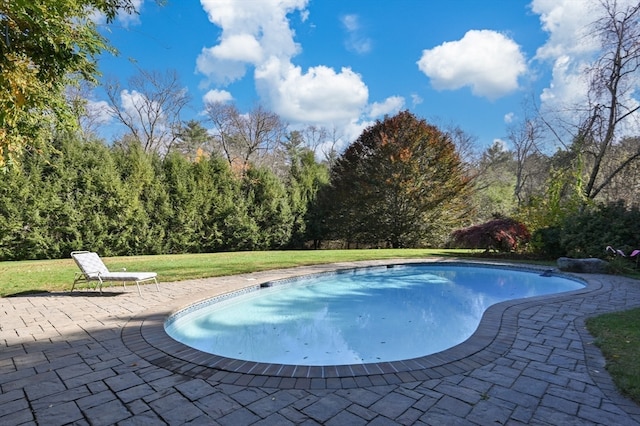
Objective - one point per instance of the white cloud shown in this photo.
(321, 95)
(416, 99)
(99, 111)
(238, 47)
(139, 108)
(501, 144)
(213, 96)
(568, 83)
(389, 106)
(569, 48)
(350, 22)
(488, 62)
(227, 61)
(509, 117)
(356, 41)
(567, 22)
(249, 36)
(260, 36)
(131, 19)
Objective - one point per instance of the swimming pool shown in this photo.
(358, 316)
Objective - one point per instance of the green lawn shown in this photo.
(57, 275)
(618, 336)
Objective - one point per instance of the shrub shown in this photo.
(587, 233)
(548, 242)
(500, 234)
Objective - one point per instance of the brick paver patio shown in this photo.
(81, 358)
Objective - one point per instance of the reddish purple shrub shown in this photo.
(501, 234)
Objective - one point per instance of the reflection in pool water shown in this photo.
(360, 316)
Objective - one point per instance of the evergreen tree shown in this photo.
(268, 208)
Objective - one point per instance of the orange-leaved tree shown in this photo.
(401, 183)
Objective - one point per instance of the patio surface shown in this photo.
(81, 358)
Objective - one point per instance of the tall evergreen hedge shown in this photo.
(121, 201)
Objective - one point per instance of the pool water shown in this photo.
(360, 316)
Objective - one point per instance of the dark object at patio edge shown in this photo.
(588, 265)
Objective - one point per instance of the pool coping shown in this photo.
(146, 336)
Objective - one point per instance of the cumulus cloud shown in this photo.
(260, 37)
(99, 111)
(319, 95)
(389, 106)
(249, 36)
(137, 106)
(567, 23)
(227, 61)
(356, 41)
(215, 95)
(488, 62)
(569, 48)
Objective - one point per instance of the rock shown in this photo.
(588, 266)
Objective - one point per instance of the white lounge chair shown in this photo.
(93, 269)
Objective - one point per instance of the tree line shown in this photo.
(249, 182)
(397, 185)
(120, 200)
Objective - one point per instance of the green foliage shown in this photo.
(563, 196)
(185, 224)
(192, 140)
(495, 183)
(268, 208)
(46, 45)
(548, 242)
(306, 178)
(122, 201)
(400, 183)
(148, 207)
(588, 231)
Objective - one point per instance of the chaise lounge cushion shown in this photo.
(93, 269)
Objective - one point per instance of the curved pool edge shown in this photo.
(494, 336)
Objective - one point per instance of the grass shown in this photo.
(618, 336)
(33, 276)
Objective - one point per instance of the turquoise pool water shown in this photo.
(358, 316)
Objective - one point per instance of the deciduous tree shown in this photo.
(150, 108)
(500, 234)
(610, 109)
(400, 183)
(245, 138)
(45, 46)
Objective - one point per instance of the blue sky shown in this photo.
(344, 64)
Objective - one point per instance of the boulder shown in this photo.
(587, 266)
